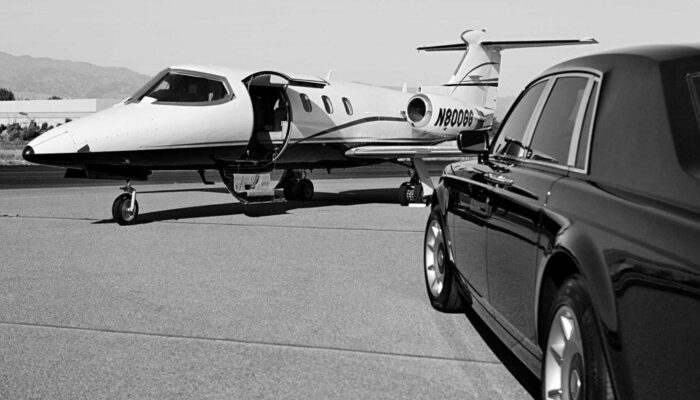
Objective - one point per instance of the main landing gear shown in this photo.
(125, 208)
(419, 188)
(296, 186)
(411, 192)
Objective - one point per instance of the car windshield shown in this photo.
(176, 87)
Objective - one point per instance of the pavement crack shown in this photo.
(251, 342)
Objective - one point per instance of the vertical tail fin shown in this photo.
(475, 81)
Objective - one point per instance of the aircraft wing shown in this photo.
(394, 152)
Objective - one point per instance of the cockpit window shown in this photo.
(177, 87)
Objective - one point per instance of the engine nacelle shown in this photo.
(446, 115)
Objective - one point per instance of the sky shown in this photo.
(363, 41)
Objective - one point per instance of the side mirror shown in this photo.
(473, 142)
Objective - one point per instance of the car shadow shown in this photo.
(321, 199)
(521, 373)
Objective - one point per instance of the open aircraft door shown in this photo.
(272, 115)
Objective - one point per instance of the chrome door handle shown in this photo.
(499, 179)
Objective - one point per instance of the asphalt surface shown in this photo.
(207, 298)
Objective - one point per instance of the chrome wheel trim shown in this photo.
(435, 258)
(127, 215)
(564, 364)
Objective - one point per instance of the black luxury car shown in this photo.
(574, 234)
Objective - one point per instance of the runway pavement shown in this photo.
(207, 298)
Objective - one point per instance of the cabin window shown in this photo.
(178, 87)
(327, 104)
(348, 106)
(306, 102)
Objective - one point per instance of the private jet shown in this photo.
(244, 124)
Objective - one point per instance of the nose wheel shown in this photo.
(125, 208)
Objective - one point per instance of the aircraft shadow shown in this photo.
(204, 189)
(321, 199)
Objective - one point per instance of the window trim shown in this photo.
(592, 76)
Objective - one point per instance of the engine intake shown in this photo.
(445, 115)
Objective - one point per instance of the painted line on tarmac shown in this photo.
(329, 228)
(251, 343)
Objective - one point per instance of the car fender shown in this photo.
(590, 262)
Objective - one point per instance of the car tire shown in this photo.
(439, 271)
(574, 365)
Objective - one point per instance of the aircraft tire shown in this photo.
(305, 190)
(120, 211)
(418, 193)
(403, 193)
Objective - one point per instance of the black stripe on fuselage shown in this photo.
(349, 124)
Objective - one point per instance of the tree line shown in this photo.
(14, 131)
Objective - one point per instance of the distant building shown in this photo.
(50, 111)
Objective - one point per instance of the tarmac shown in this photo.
(206, 298)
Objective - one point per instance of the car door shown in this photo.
(529, 158)
(469, 202)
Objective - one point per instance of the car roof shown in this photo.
(634, 59)
(646, 134)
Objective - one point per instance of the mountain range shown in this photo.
(40, 78)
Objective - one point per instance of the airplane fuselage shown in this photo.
(304, 124)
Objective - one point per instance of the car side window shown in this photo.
(584, 139)
(510, 138)
(551, 139)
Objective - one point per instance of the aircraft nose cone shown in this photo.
(28, 153)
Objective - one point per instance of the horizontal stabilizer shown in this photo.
(394, 152)
(521, 44)
(444, 47)
(511, 44)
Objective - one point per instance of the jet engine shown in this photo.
(445, 115)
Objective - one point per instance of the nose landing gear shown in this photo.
(125, 208)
